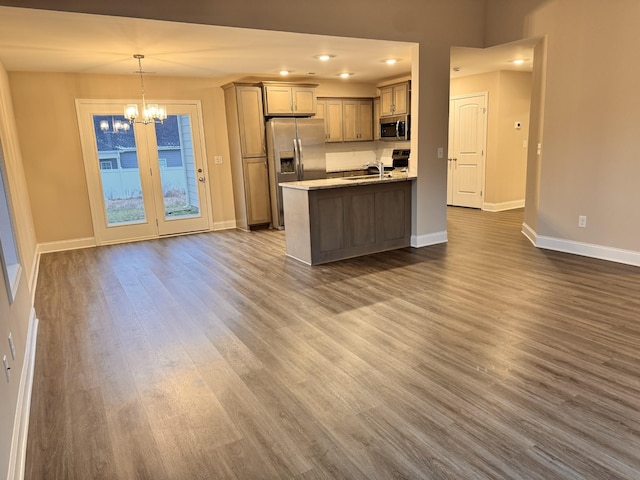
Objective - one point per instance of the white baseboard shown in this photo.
(63, 245)
(418, 241)
(229, 225)
(33, 275)
(503, 206)
(21, 420)
(530, 233)
(611, 254)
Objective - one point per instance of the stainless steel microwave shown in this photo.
(396, 128)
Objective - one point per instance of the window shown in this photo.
(8, 250)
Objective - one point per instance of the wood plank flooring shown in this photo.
(213, 356)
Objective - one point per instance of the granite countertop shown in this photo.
(342, 182)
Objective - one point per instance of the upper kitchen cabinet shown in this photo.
(346, 119)
(330, 110)
(289, 100)
(394, 99)
(357, 119)
(245, 115)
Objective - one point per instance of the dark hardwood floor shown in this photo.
(214, 356)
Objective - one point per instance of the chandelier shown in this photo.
(151, 113)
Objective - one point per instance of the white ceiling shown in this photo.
(41, 40)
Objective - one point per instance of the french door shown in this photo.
(144, 181)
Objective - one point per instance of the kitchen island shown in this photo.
(337, 218)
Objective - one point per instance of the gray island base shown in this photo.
(334, 219)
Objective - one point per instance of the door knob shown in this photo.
(201, 179)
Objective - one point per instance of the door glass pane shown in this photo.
(177, 167)
(119, 172)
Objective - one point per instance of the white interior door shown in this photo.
(144, 181)
(467, 149)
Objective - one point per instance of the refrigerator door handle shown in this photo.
(300, 159)
(296, 159)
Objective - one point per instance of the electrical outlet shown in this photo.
(12, 347)
(217, 159)
(7, 368)
(582, 221)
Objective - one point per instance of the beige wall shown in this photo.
(52, 154)
(14, 318)
(509, 96)
(507, 20)
(589, 162)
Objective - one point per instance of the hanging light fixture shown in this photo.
(151, 113)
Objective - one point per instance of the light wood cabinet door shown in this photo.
(386, 101)
(394, 99)
(350, 120)
(400, 99)
(256, 188)
(278, 100)
(357, 117)
(365, 120)
(333, 121)
(304, 100)
(251, 121)
(321, 108)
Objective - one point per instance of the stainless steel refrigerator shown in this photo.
(296, 152)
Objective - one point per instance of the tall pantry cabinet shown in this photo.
(247, 147)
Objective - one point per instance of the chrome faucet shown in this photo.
(379, 165)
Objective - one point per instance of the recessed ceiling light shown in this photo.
(391, 61)
(324, 57)
(345, 75)
(456, 69)
(284, 72)
(518, 61)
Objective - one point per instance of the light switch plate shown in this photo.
(440, 152)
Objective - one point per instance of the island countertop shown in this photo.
(337, 218)
(342, 182)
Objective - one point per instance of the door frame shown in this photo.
(106, 235)
(485, 95)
